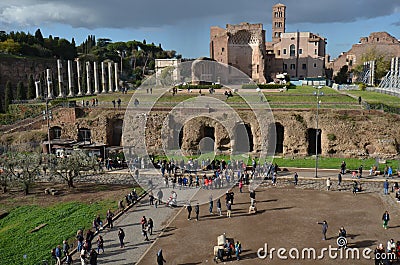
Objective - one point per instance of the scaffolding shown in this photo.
(391, 82)
(368, 74)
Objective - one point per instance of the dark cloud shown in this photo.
(139, 14)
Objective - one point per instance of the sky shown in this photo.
(184, 25)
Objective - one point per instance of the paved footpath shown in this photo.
(135, 245)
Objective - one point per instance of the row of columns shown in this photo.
(106, 87)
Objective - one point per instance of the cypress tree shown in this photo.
(21, 91)
(31, 88)
(8, 96)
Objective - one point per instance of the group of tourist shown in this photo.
(94, 102)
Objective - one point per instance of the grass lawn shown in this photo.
(376, 98)
(306, 162)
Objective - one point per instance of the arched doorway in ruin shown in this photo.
(314, 141)
(207, 140)
(116, 132)
(280, 135)
(243, 137)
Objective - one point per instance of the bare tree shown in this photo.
(23, 167)
(74, 166)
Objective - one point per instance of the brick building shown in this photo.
(381, 42)
(300, 54)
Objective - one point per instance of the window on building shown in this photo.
(315, 51)
(223, 49)
(258, 68)
(292, 50)
(55, 132)
(300, 51)
(284, 51)
(284, 66)
(377, 39)
(315, 65)
(84, 135)
(279, 52)
(292, 66)
(304, 66)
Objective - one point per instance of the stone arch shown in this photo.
(314, 141)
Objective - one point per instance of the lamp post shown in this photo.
(47, 116)
(318, 94)
(121, 54)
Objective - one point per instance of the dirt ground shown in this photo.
(287, 218)
(83, 192)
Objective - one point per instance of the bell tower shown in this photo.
(278, 21)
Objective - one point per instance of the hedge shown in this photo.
(267, 86)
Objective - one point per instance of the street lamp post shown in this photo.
(121, 54)
(318, 94)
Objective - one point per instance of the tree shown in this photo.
(23, 168)
(10, 46)
(8, 96)
(21, 91)
(382, 62)
(31, 88)
(343, 76)
(39, 36)
(71, 167)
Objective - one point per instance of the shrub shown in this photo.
(331, 137)
(267, 86)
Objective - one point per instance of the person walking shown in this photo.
(252, 197)
(296, 178)
(58, 254)
(238, 250)
(82, 256)
(343, 168)
(386, 187)
(240, 186)
(197, 211)
(144, 232)
(219, 207)
(189, 210)
(328, 184)
(160, 258)
(324, 228)
(228, 209)
(211, 204)
(150, 225)
(121, 236)
(385, 219)
(93, 257)
(160, 195)
(339, 177)
(109, 217)
(100, 244)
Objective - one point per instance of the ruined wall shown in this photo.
(16, 70)
(344, 133)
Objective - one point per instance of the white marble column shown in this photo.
(70, 80)
(110, 75)
(96, 78)
(78, 71)
(116, 77)
(88, 80)
(37, 87)
(103, 78)
(61, 93)
(49, 84)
